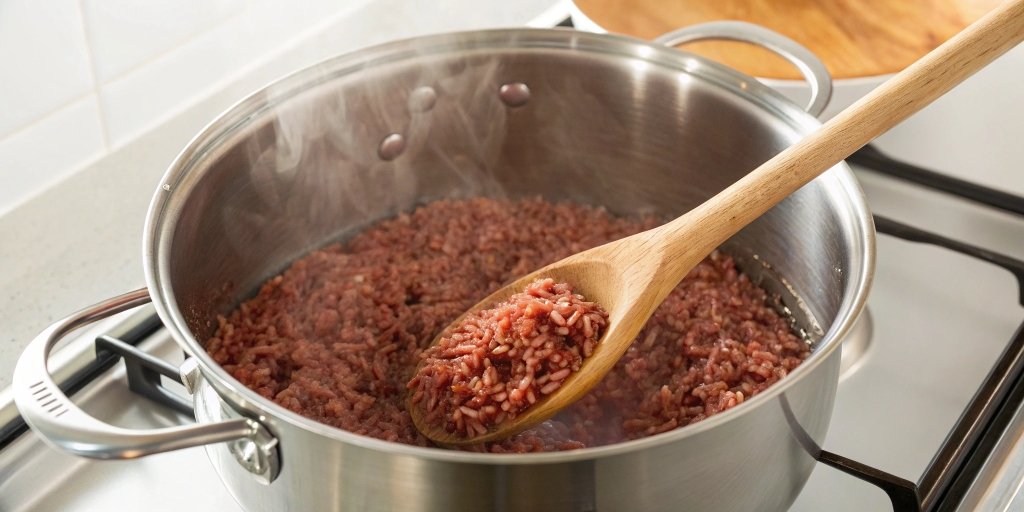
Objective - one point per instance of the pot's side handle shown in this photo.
(62, 424)
(810, 66)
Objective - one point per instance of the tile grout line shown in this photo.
(219, 85)
(108, 144)
(175, 47)
(94, 74)
(107, 141)
(45, 117)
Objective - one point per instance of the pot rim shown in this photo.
(180, 177)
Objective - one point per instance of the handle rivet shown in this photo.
(514, 94)
(392, 146)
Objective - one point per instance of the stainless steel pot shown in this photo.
(592, 118)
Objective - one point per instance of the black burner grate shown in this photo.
(104, 361)
(971, 440)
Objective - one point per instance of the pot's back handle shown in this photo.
(62, 424)
(810, 66)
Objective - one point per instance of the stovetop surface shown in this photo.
(939, 321)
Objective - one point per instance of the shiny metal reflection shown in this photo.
(514, 94)
(391, 147)
(856, 344)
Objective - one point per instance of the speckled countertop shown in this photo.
(80, 241)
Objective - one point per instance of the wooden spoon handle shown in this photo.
(895, 100)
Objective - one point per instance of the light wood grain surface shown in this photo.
(855, 38)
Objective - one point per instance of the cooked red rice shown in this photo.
(499, 361)
(338, 334)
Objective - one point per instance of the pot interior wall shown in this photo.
(632, 135)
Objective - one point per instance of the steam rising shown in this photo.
(315, 169)
(308, 171)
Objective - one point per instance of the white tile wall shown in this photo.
(32, 159)
(44, 63)
(126, 33)
(145, 97)
(81, 77)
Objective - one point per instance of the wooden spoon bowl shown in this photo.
(630, 277)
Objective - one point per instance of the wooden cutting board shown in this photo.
(855, 38)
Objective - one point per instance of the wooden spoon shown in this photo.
(630, 277)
